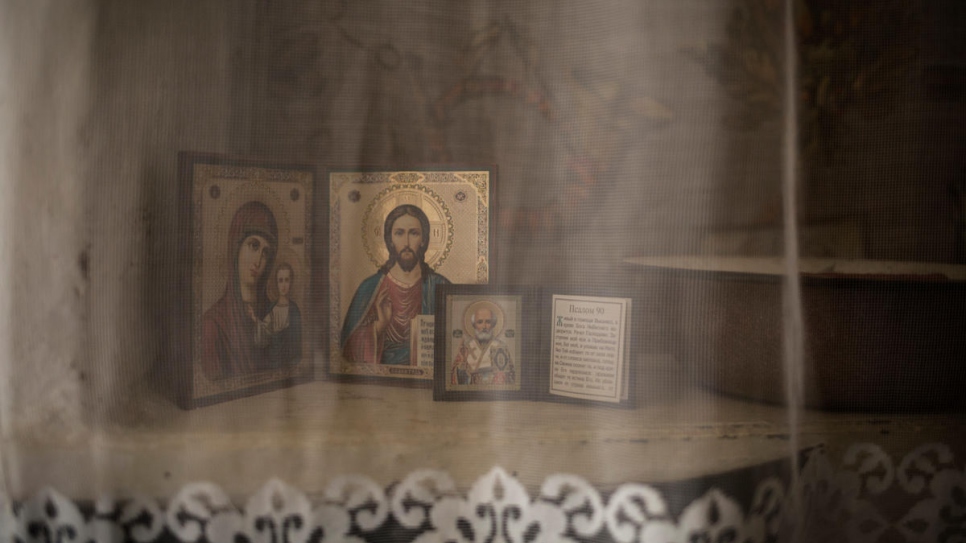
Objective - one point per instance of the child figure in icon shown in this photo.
(280, 332)
(482, 358)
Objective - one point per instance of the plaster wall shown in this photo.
(96, 100)
(44, 109)
(164, 81)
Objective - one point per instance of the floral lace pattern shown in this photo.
(838, 502)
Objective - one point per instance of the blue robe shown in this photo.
(286, 349)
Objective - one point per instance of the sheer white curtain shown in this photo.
(691, 155)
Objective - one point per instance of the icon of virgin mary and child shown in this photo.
(245, 331)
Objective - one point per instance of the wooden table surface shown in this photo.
(308, 434)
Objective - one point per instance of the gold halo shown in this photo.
(483, 304)
(440, 222)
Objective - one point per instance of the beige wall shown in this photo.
(101, 96)
(44, 133)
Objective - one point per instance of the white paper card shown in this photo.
(589, 348)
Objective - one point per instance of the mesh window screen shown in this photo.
(314, 270)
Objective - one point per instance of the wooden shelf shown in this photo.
(308, 434)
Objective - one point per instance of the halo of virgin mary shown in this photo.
(228, 327)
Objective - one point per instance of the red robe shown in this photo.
(363, 345)
(228, 339)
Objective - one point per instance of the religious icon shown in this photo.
(377, 327)
(483, 358)
(394, 237)
(250, 225)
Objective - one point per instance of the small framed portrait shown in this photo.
(394, 236)
(485, 350)
(248, 229)
(483, 343)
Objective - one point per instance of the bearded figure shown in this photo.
(482, 359)
(377, 326)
